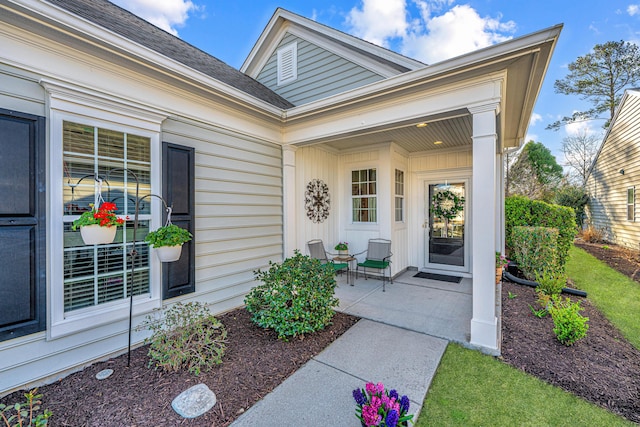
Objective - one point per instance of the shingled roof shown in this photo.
(124, 23)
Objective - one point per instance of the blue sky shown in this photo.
(428, 30)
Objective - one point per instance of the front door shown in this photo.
(445, 237)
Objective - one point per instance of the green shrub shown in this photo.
(535, 250)
(187, 336)
(27, 414)
(521, 211)
(296, 297)
(570, 325)
(550, 284)
(575, 197)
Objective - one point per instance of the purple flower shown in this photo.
(357, 395)
(404, 405)
(394, 394)
(392, 418)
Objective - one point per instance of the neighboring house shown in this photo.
(86, 87)
(613, 178)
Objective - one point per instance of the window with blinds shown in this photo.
(287, 63)
(100, 274)
(363, 195)
(399, 198)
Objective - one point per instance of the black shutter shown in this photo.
(178, 189)
(22, 224)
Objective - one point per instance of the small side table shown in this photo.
(348, 259)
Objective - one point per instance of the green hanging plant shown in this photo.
(169, 235)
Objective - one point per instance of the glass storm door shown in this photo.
(445, 208)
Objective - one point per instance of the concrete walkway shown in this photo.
(399, 342)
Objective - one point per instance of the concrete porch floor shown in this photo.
(432, 307)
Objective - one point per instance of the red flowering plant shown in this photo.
(379, 408)
(104, 216)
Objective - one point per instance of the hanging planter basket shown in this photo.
(169, 253)
(168, 240)
(95, 234)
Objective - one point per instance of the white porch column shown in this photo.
(484, 325)
(289, 195)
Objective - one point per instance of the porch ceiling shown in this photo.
(452, 132)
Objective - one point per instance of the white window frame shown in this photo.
(287, 63)
(371, 196)
(631, 205)
(103, 112)
(399, 196)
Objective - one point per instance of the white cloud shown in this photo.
(458, 31)
(431, 37)
(582, 127)
(633, 9)
(379, 20)
(531, 137)
(535, 118)
(165, 14)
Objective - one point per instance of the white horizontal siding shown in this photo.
(320, 73)
(607, 187)
(238, 203)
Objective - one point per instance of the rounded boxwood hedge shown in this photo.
(296, 297)
(521, 211)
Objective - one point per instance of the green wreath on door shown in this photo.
(447, 205)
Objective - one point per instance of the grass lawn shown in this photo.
(473, 389)
(615, 295)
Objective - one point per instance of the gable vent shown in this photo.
(288, 63)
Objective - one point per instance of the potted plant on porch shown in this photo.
(501, 262)
(167, 241)
(98, 226)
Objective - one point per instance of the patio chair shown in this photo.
(316, 250)
(378, 257)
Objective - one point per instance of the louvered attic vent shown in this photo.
(287, 63)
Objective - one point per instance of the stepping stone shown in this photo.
(104, 374)
(194, 401)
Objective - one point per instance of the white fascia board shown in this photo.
(39, 9)
(281, 16)
(481, 58)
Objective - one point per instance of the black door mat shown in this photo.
(441, 277)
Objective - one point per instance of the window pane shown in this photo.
(77, 138)
(372, 175)
(111, 143)
(630, 195)
(78, 294)
(138, 148)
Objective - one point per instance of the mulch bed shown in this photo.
(255, 362)
(617, 257)
(602, 368)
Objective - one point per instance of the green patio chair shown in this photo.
(378, 257)
(316, 250)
